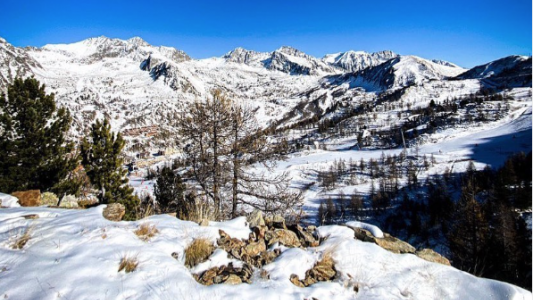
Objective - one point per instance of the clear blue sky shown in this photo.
(465, 32)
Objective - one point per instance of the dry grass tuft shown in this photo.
(128, 263)
(146, 231)
(198, 251)
(22, 238)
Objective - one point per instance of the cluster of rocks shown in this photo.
(36, 198)
(267, 231)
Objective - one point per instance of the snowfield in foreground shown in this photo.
(75, 254)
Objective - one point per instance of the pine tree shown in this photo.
(321, 213)
(34, 151)
(168, 192)
(101, 157)
(469, 233)
(331, 211)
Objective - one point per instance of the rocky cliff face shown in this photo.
(14, 62)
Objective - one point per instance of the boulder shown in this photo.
(114, 212)
(278, 222)
(364, 235)
(233, 280)
(306, 238)
(255, 219)
(49, 199)
(69, 201)
(388, 242)
(283, 236)
(28, 198)
(432, 256)
(259, 231)
(394, 245)
(323, 270)
(255, 248)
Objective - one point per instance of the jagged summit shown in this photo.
(353, 61)
(244, 56)
(291, 51)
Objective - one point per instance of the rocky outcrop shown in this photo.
(253, 252)
(395, 245)
(114, 212)
(28, 198)
(388, 242)
(432, 256)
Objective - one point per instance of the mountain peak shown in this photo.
(354, 61)
(290, 51)
(137, 41)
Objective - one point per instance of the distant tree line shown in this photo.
(478, 215)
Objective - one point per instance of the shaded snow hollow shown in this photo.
(75, 254)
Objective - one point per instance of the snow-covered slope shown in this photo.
(75, 254)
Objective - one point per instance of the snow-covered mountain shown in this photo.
(285, 59)
(398, 72)
(511, 71)
(136, 84)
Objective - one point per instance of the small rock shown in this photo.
(255, 248)
(285, 237)
(49, 199)
(114, 212)
(363, 235)
(259, 232)
(432, 256)
(278, 222)
(175, 255)
(31, 217)
(233, 280)
(68, 201)
(296, 281)
(28, 198)
(255, 219)
(204, 223)
(306, 238)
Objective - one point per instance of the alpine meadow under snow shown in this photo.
(360, 142)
